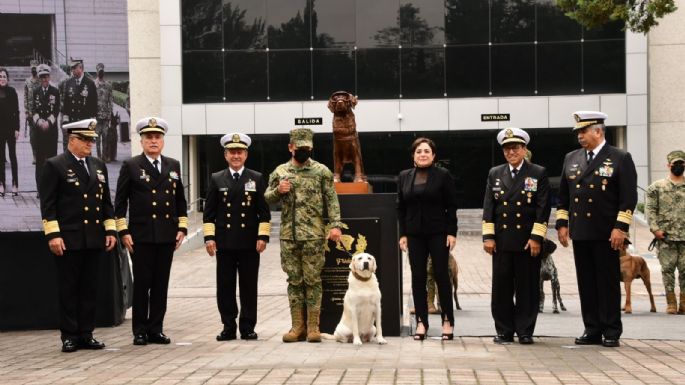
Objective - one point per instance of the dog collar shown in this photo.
(359, 277)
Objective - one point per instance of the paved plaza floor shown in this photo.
(652, 351)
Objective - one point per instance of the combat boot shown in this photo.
(313, 333)
(681, 308)
(298, 332)
(670, 303)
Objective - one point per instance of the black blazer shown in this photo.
(596, 198)
(236, 214)
(74, 205)
(9, 113)
(79, 101)
(46, 106)
(434, 211)
(516, 210)
(158, 208)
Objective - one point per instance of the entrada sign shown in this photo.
(494, 117)
(308, 121)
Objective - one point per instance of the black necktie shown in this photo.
(236, 176)
(590, 156)
(78, 82)
(83, 164)
(513, 173)
(155, 163)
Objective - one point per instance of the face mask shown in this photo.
(678, 168)
(301, 155)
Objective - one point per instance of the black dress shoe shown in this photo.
(611, 343)
(248, 336)
(92, 343)
(589, 340)
(158, 338)
(69, 346)
(502, 339)
(526, 340)
(140, 339)
(226, 336)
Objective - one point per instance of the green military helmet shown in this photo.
(302, 137)
(675, 156)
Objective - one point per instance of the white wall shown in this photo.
(666, 90)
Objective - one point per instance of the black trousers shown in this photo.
(151, 269)
(77, 276)
(229, 265)
(420, 247)
(598, 269)
(11, 143)
(515, 275)
(44, 147)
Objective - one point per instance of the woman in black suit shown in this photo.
(427, 214)
(9, 129)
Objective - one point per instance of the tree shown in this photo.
(638, 15)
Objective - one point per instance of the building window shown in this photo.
(298, 50)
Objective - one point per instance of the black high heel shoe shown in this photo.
(447, 336)
(420, 336)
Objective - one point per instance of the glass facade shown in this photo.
(296, 50)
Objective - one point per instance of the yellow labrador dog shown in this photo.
(361, 305)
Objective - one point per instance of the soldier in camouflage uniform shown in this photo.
(305, 189)
(665, 211)
(31, 82)
(104, 90)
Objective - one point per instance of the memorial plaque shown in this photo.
(361, 235)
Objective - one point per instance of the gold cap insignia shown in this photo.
(92, 125)
(152, 122)
(236, 138)
(509, 133)
(576, 117)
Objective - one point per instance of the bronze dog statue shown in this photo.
(346, 147)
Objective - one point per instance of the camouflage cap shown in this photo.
(302, 137)
(34, 63)
(99, 67)
(674, 156)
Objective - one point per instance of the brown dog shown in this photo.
(346, 147)
(633, 267)
(453, 269)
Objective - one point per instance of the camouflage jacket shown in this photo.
(311, 198)
(104, 99)
(665, 208)
(29, 85)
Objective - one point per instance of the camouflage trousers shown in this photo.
(102, 129)
(302, 261)
(672, 257)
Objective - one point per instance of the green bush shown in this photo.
(641, 207)
(119, 98)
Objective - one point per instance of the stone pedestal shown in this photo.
(353, 188)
